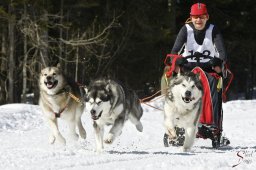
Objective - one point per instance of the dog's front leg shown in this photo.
(170, 127)
(72, 128)
(115, 130)
(99, 132)
(55, 132)
(190, 135)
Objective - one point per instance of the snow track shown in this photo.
(24, 143)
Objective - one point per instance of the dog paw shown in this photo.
(185, 149)
(61, 140)
(171, 133)
(109, 139)
(51, 139)
(139, 127)
(83, 134)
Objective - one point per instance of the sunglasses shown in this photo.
(199, 16)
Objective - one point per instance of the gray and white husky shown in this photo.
(183, 104)
(59, 98)
(109, 103)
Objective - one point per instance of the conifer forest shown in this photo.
(125, 39)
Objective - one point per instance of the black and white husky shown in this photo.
(109, 103)
(182, 107)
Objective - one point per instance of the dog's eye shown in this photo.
(183, 85)
(45, 74)
(193, 86)
(54, 74)
(99, 102)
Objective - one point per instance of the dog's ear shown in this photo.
(198, 76)
(85, 95)
(86, 89)
(58, 66)
(108, 88)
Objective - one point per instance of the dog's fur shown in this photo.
(109, 103)
(55, 101)
(183, 105)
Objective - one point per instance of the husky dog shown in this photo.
(109, 103)
(182, 107)
(60, 99)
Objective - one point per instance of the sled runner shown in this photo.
(215, 89)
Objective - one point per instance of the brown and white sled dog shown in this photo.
(59, 98)
(109, 103)
(182, 107)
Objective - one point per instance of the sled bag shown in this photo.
(210, 112)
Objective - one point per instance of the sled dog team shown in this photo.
(110, 103)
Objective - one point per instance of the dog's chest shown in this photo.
(185, 118)
(109, 120)
(57, 103)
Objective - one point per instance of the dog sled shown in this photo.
(211, 119)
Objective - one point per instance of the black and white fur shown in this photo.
(109, 103)
(183, 106)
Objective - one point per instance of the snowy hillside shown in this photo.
(24, 143)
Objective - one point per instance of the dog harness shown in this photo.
(57, 114)
(70, 95)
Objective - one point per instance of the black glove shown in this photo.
(215, 62)
(181, 61)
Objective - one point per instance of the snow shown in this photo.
(24, 143)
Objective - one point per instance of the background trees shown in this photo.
(127, 39)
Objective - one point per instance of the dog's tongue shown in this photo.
(94, 117)
(49, 85)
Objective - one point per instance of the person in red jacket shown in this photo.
(200, 44)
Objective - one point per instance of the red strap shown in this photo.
(215, 75)
(173, 64)
(224, 93)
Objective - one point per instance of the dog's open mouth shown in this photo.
(94, 117)
(50, 84)
(187, 99)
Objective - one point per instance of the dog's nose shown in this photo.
(48, 77)
(93, 112)
(188, 93)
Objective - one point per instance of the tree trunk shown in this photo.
(61, 35)
(24, 68)
(3, 67)
(44, 38)
(11, 60)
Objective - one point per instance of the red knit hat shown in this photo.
(198, 9)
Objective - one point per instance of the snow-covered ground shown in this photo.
(24, 143)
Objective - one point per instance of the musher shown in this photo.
(200, 44)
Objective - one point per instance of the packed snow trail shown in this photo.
(24, 143)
